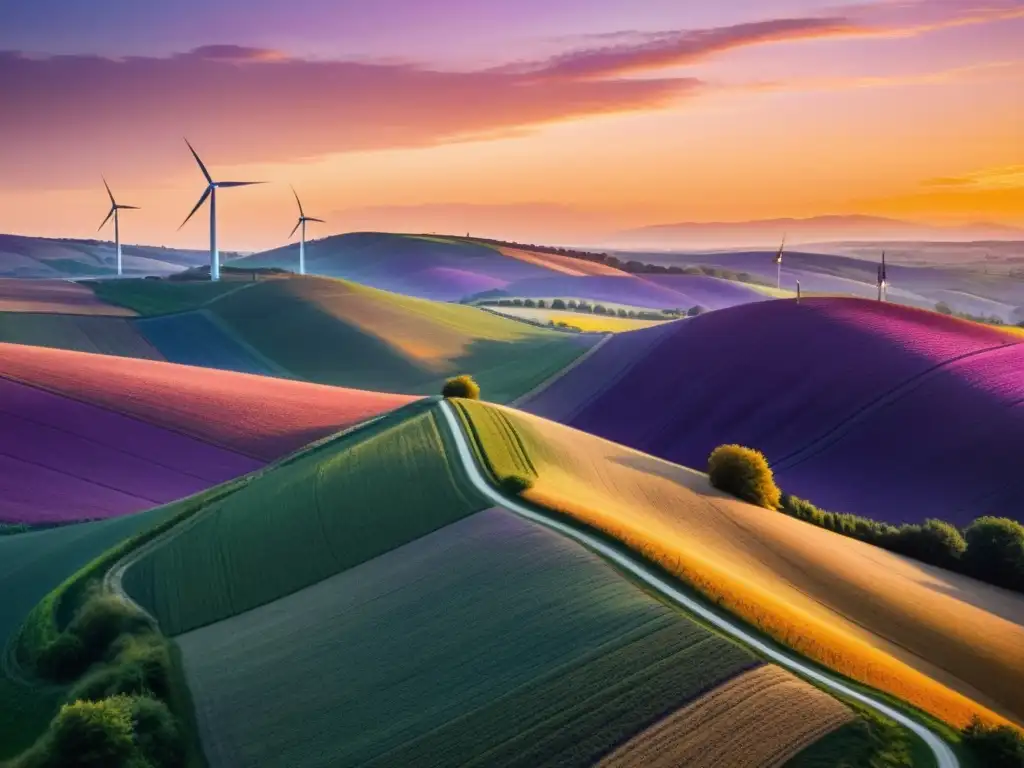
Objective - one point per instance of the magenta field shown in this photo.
(797, 381)
(63, 460)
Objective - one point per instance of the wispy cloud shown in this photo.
(1005, 177)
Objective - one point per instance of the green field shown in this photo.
(332, 508)
(489, 642)
(31, 565)
(81, 333)
(161, 297)
(334, 332)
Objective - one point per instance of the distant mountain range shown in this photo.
(766, 232)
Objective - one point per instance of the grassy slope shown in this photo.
(801, 585)
(195, 338)
(335, 332)
(489, 642)
(161, 297)
(31, 565)
(82, 333)
(304, 522)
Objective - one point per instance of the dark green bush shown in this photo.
(136, 665)
(517, 302)
(529, 303)
(63, 659)
(1000, 747)
(695, 310)
(622, 313)
(157, 735)
(744, 473)
(558, 304)
(935, 542)
(995, 551)
(514, 485)
(461, 386)
(92, 734)
(600, 309)
(541, 304)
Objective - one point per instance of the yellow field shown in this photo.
(582, 320)
(943, 642)
(777, 714)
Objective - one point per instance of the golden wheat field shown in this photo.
(942, 642)
(776, 713)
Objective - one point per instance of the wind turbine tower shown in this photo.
(211, 192)
(303, 218)
(778, 262)
(114, 208)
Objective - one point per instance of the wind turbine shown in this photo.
(114, 208)
(778, 261)
(211, 192)
(303, 218)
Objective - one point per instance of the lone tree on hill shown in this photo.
(744, 473)
(461, 386)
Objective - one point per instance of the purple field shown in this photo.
(708, 292)
(780, 376)
(63, 460)
(441, 283)
(629, 290)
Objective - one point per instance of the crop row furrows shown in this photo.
(583, 710)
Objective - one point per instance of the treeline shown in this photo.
(632, 266)
(944, 309)
(990, 549)
(573, 305)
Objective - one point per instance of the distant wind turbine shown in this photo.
(882, 282)
(211, 192)
(778, 261)
(114, 208)
(303, 218)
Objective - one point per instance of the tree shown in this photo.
(558, 304)
(529, 303)
(995, 551)
(744, 473)
(935, 542)
(461, 386)
(695, 310)
(943, 308)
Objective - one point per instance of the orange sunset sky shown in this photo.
(561, 120)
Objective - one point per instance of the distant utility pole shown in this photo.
(797, 291)
(778, 263)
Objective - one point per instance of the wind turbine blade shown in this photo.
(128, 207)
(238, 183)
(310, 218)
(106, 219)
(199, 205)
(111, 194)
(301, 214)
(206, 173)
(296, 227)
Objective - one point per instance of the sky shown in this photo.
(558, 120)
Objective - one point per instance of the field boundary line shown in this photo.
(557, 376)
(836, 432)
(944, 755)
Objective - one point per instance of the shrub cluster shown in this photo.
(116, 713)
(461, 386)
(744, 473)
(994, 747)
(514, 485)
(990, 549)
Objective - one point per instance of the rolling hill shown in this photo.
(303, 640)
(89, 436)
(936, 639)
(842, 395)
(40, 257)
